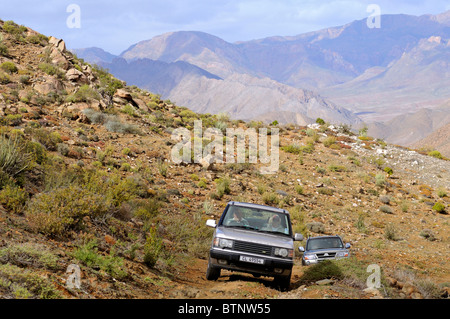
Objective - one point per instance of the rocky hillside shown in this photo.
(370, 74)
(88, 191)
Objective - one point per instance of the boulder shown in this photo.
(49, 84)
(57, 43)
(140, 104)
(76, 76)
(123, 94)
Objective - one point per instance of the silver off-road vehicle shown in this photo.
(255, 239)
(322, 248)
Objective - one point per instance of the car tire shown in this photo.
(283, 282)
(212, 273)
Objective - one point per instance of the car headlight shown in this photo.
(341, 254)
(283, 252)
(223, 243)
(310, 257)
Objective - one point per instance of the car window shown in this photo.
(324, 243)
(257, 219)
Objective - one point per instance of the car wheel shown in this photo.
(212, 273)
(283, 282)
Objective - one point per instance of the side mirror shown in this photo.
(298, 237)
(301, 249)
(347, 245)
(211, 223)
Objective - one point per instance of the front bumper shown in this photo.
(230, 260)
(307, 262)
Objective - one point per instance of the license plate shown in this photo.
(251, 260)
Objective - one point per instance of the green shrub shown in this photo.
(108, 83)
(330, 140)
(146, 209)
(17, 282)
(49, 140)
(62, 209)
(326, 191)
(13, 28)
(95, 116)
(294, 149)
(84, 94)
(428, 234)
(380, 180)
(62, 149)
(26, 255)
(320, 121)
(390, 233)
(388, 170)
(202, 183)
(9, 67)
(36, 151)
(308, 148)
(337, 168)
(299, 189)
(441, 192)
(324, 270)
(13, 198)
(3, 50)
(162, 167)
(114, 125)
(223, 185)
(14, 158)
(270, 198)
(125, 167)
(37, 39)
(111, 264)
(13, 119)
(4, 78)
(152, 248)
(439, 207)
(435, 154)
(190, 234)
(386, 209)
(51, 69)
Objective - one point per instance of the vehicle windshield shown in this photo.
(324, 243)
(256, 219)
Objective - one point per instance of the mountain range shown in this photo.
(394, 79)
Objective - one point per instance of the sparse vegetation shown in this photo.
(439, 207)
(63, 209)
(88, 254)
(84, 94)
(435, 154)
(77, 186)
(9, 67)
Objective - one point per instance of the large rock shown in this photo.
(123, 94)
(48, 85)
(57, 43)
(58, 53)
(76, 76)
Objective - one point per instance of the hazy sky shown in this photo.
(115, 25)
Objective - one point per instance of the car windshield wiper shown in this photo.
(272, 232)
(242, 226)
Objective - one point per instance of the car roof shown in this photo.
(328, 236)
(259, 206)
